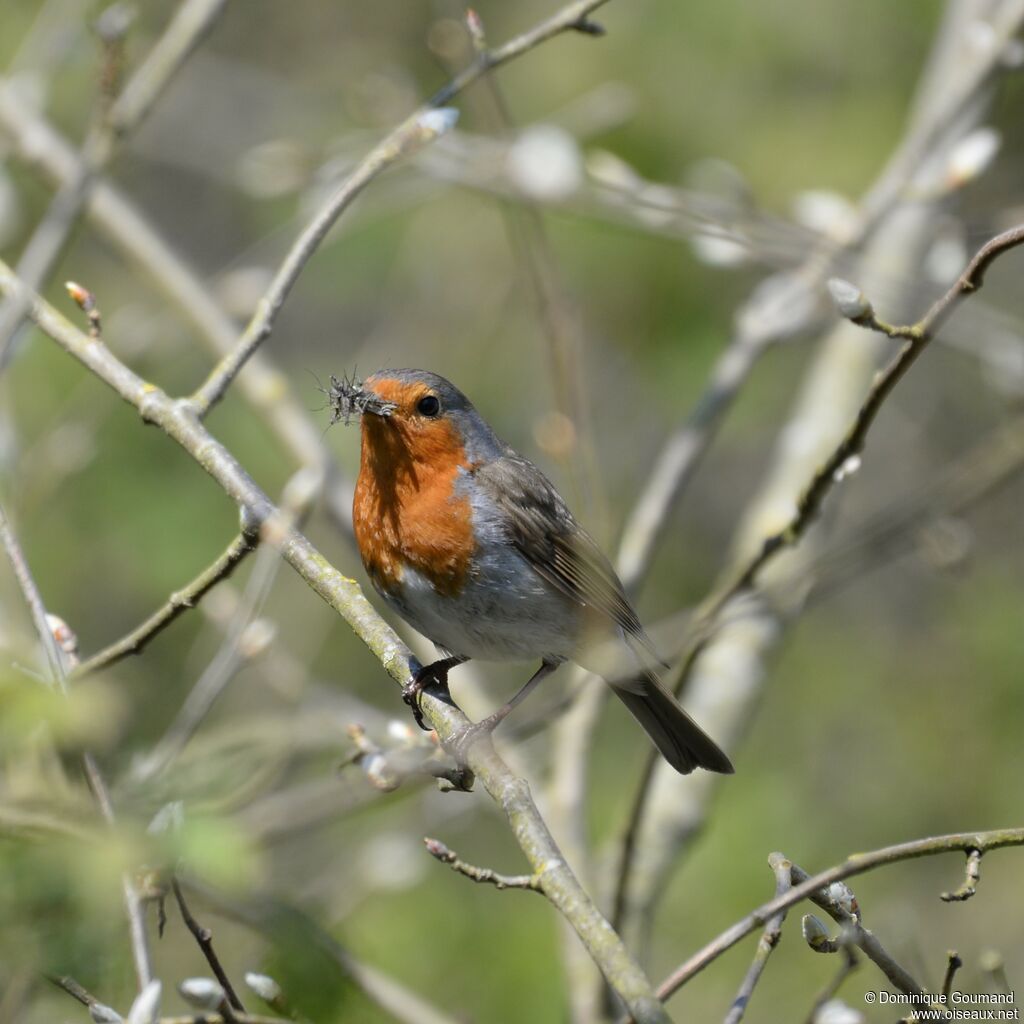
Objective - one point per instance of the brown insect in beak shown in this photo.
(348, 398)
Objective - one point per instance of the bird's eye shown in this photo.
(428, 405)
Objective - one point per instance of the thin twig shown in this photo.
(274, 920)
(73, 989)
(831, 472)
(969, 886)
(130, 231)
(769, 940)
(439, 851)
(177, 418)
(204, 938)
(953, 964)
(190, 23)
(841, 905)
(856, 864)
(418, 129)
(176, 605)
(231, 655)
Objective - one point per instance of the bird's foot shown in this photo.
(434, 676)
(460, 743)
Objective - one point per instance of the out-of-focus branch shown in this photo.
(204, 938)
(845, 456)
(177, 604)
(178, 419)
(726, 674)
(58, 677)
(413, 133)
(232, 654)
(816, 885)
(421, 127)
(274, 921)
(190, 24)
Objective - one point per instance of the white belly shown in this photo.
(505, 612)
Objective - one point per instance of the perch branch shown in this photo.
(177, 418)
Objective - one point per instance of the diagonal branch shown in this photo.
(178, 420)
(177, 604)
(421, 127)
(187, 28)
(856, 864)
(59, 679)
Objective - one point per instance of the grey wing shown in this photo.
(544, 531)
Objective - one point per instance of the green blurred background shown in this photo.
(896, 708)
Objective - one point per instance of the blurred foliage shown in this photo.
(895, 709)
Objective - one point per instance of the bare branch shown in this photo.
(953, 964)
(177, 604)
(204, 938)
(440, 852)
(421, 127)
(191, 22)
(970, 883)
(857, 864)
(831, 472)
(59, 679)
(179, 421)
(769, 940)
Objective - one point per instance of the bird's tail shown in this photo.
(682, 742)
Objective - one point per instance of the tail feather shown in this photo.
(680, 739)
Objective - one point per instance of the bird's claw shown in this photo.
(426, 677)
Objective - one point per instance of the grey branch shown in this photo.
(440, 852)
(191, 22)
(177, 604)
(769, 940)
(856, 864)
(177, 418)
(421, 127)
(969, 886)
(58, 665)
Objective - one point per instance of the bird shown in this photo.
(473, 546)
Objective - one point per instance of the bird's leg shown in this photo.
(461, 743)
(434, 674)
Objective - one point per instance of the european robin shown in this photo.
(472, 545)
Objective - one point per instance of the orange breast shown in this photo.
(406, 512)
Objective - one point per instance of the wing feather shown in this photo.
(544, 531)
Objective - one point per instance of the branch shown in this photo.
(204, 938)
(769, 940)
(58, 678)
(177, 418)
(177, 604)
(190, 23)
(129, 230)
(420, 128)
(841, 905)
(856, 864)
(969, 886)
(845, 456)
(440, 852)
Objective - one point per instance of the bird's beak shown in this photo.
(350, 398)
